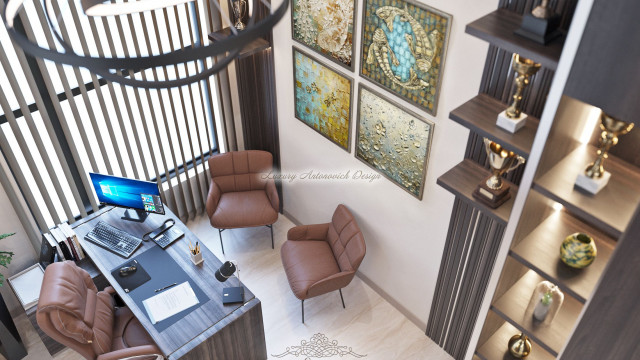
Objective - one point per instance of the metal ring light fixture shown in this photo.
(104, 66)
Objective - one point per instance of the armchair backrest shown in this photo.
(346, 239)
(73, 312)
(240, 170)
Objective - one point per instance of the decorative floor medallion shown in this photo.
(319, 346)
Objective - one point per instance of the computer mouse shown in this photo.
(128, 270)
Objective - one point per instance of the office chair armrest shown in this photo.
(308, 232)
(109, 290)
(137, 352)
(272, 194)
(331, 283)
(213, 198)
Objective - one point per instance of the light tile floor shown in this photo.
(369, 325)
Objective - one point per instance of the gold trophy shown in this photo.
(493, 192)
(595, 177)
(512, 119)
(239, 8)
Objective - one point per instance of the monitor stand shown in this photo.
(135, 215)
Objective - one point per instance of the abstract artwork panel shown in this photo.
(403, 49)
(322, 98)
(393, 141)
(326, 26)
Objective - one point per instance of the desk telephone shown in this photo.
(165, 235)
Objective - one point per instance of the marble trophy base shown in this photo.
(490, 197)
(592, 185)
(509, 124)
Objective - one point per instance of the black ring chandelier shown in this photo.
(107, 66)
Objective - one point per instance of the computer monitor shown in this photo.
(141, 196)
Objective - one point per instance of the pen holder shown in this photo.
(197, 258)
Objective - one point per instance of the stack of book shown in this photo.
(61, 244)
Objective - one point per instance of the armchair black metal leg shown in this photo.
(341, 298)
(271, 227)
(303, 311)
(220, 234)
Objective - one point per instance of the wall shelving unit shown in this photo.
(549, 207)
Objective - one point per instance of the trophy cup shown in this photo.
(541, 25)
(512, 119)
(239, 8)
(595, 177)
(493, 191)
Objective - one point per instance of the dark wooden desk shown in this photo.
(213, 330)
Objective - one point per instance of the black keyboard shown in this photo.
(168, 237)
(113, 239)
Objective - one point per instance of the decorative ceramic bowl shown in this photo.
(578, 250)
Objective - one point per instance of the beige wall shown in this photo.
(405, 237)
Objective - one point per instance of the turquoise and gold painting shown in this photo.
(393, 141)
(403, 49)
(326, 26)
(322, 98)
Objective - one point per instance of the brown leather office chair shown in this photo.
(74, 313)
(322, 258)
(239, 196)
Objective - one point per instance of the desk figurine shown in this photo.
(595, 177)
(541, 25)
(512, 119)
(494, 192)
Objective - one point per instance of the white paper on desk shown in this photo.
(170, 302)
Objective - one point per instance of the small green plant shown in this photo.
(5, 256)
(547, 298)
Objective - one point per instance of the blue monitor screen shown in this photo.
(129, 193)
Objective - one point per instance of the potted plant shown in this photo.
(5, 256)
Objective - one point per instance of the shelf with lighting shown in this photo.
(540, 251)
(496, 346)
(610, 209)
(512, 307)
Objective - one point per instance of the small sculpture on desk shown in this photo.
(541, 25)
(493, 192)
(545, 302)
(239, 8)
(512, 119)
(595, 177)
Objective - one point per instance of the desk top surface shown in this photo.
(209, 315)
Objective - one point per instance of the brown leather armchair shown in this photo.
(74, 313)
(239, 195)
(322, 258)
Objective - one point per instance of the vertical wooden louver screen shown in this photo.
(59, 123)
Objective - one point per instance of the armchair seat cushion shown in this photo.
(306, 262)
(243, 209)
(128, 332)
